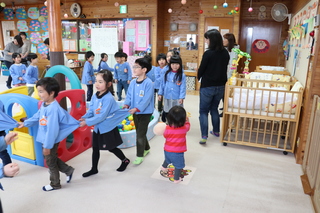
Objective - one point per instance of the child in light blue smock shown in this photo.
(103, 63)
(140, 101)
(105, 115)
(17, 71)
(32, 73)
(88, 74)
(54, 125)
(173, 85)
(122, 73)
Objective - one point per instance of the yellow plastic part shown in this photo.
(35, 93)
(23, 146)
(20, 90)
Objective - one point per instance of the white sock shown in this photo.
(47, 188)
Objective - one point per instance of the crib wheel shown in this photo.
(285, 153)
(225, 144)
(283, 137)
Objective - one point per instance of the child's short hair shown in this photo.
(46, 41)
(15, 55)
(161, 56)
(107, 77)
(177, 116)
(149, 58)
(118, 54)
(89, 54)
(50, 85)
(31, 56)
(144, 63)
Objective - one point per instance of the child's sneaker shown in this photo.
(217, 134)
(203, 140)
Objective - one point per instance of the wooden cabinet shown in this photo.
(78, 71)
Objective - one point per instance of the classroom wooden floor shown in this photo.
(223, 179)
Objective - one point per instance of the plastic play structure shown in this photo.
(27, 149)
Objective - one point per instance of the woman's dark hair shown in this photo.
(144, 63)
(176, 116)
(175, 59)
(46, 41)
(19, 40)
(215, 39)
(107, 77)
(31, 56)
(23, 33)
(50, 85)
(102, 56)
(89, 54)
(231, 41)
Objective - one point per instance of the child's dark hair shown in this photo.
(118, 54)
(15, 55)
(102, 56)
(144, 63)
(46, 41)
(107, 77)
(175, 59)
(148, 57)
(31, 56)
(176, 116)
(89, 54)
(50, 85)
(125, 55)
(161, 56)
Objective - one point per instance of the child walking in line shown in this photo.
(141, 104)
(176, 143)
(102, 114)
(158, 72)
(17, 71)
(173, 85)
(122, 73)
(88, 74)
(55, 124)
(32, 72)
(103, 63)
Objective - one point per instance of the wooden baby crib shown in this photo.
(262, 114)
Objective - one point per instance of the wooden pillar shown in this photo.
(55, 41)
(55, 37)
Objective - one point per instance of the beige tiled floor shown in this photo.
(225, 179)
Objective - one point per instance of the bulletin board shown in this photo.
(104, 40)
(300, 42)
(138, 31)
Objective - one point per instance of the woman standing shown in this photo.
(213, 76)
(229, 42)
(25, 48)
(12, 47)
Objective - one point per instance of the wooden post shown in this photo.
(55, 41)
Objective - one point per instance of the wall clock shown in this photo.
(75, 10)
